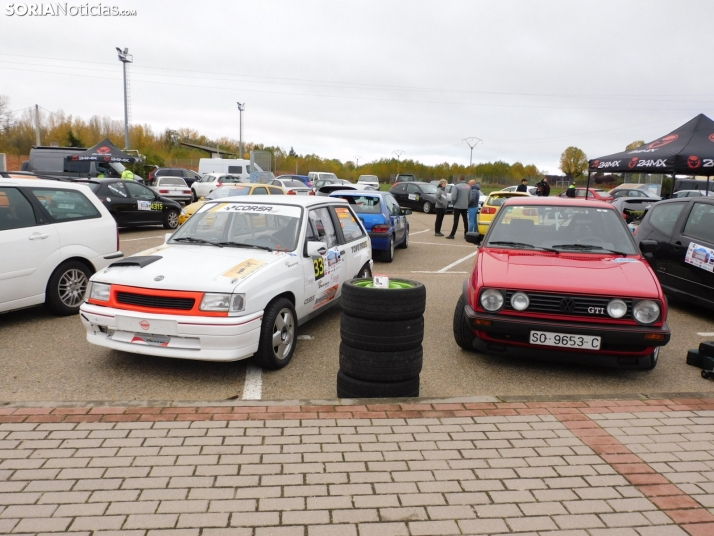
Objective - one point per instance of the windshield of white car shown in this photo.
(171, 181)
(271, 227)
(563, 228)
(228, 191)
(293, 184)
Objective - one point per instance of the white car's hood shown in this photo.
(198, 268)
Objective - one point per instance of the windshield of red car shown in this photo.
(560, 227)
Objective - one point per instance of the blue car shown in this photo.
(385, 221)
(302, 178)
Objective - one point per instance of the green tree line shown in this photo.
(17, 136)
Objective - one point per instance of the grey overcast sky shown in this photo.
(340, 78)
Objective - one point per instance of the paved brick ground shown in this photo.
(639, 467)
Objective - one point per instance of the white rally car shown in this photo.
(236, 279)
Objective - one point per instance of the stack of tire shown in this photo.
(382, 331)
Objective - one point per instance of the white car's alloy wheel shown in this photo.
(72, 286)
(283, 333)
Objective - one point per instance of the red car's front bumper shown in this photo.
(509, 335)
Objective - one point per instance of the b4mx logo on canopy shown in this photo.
(663, 141)
(693, 162)
(596, 163)
(104, 150)
(632, 163)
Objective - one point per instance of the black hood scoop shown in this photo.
(138, 260)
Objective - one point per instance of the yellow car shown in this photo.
(493, 204)
(231, 190)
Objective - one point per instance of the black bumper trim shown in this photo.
(379, 235)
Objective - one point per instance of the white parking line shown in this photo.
(446, 268)
(445, 244)
(143, 238)
(419, 232)
(253, 388)
(706, 333)
(439, 272)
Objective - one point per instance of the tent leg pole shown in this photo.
(708, 177)
(587, 190)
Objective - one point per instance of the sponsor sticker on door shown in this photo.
(700, 256)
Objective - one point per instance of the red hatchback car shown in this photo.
(570, 285)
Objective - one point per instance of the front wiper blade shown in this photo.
(196, 241)
(242, 245)
(521, 245)
(587, 247)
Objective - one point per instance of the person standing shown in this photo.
(523, 186)
(473, 204)
(570, 192)
(127, 175)
(544, 187)
(460, 196)
(442, 201)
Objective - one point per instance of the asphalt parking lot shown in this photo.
(48, 358)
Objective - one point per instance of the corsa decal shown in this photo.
(244, 269)
(218, 207)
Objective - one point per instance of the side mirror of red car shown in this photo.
(648, 246)
(474, 238)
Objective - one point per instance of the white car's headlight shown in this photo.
(98, 291)
(230, 303)
(646, 311)
(520, 301)
(617, 308)
(491, 299)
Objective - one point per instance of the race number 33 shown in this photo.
(319, 265)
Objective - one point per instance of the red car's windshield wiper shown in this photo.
(196, 241)
(521, 245)
(587, 247)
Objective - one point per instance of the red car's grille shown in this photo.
(559, 304)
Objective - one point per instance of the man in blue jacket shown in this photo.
(460, 196)
(473, 204)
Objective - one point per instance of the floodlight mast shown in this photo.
(124, 58)
(357, 157)
(472, 142)
(241, 108)
(399, 153)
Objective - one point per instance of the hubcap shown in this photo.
(72, 286)
(283, 333)
(173, 219)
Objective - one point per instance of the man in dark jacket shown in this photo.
(473, 204)
(523, 186)
(460, 197)
(570, 192)
(543, 188)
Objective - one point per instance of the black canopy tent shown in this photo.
(104, 151)
(687, 150)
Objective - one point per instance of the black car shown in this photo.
(134, 204)
(683, 230)
(416, 195)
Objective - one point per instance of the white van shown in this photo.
(233, 166)
(315, 176)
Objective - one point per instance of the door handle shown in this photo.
(677, 246)
(342, 252)
(38, 236)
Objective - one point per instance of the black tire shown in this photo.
(353, 388)
(278, 335)
(383, 303)
(66, 288)
(380, 336)
(171, 219)
(195, 196)
(651, 360)
(426, 207)
(405, 243)
(388, 254)
(463, 335)
(381, 366)
(365, 272)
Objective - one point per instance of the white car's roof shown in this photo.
(291, 200)
(42, 183)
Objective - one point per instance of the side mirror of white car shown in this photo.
(316, 248)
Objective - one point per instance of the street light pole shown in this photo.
(357, 157)
(472, 142)
(399, 153)
(241, 107)
(124, 58)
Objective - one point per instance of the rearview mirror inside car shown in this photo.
(316, 248)
(648, 246)
(474, 238)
